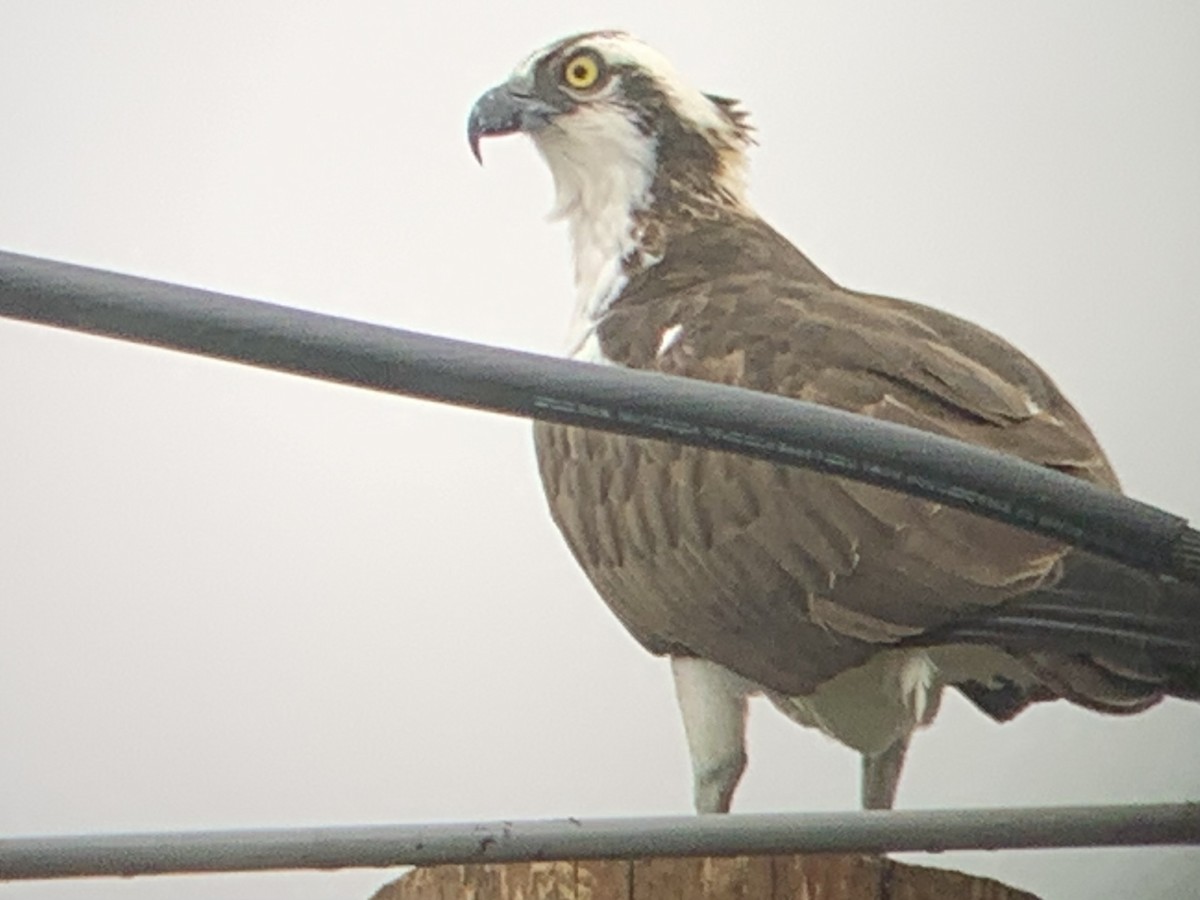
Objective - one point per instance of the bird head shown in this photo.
(618, 125)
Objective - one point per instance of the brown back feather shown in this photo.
(786, 576)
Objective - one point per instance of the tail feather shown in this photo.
(1104, 635)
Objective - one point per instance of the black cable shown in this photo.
(608, 398)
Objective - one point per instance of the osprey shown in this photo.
(850, 606)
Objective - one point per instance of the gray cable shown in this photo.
(382, 846)
(604, 397)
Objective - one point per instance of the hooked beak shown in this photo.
(506, 109)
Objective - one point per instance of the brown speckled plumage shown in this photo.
(787, 576)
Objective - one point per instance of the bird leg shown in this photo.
(712, 700)
(881, 774)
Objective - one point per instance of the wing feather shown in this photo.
(787, 576)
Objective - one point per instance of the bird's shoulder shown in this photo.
(735, 302)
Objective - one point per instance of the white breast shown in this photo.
(602, 169)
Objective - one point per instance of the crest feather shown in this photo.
(736, 115)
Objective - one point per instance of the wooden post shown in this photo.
(738, 878)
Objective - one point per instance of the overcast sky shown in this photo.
(233, 598)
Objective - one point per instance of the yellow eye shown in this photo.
(581, 72)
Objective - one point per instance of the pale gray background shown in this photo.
(234, 598)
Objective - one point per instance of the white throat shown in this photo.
(602, 172)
